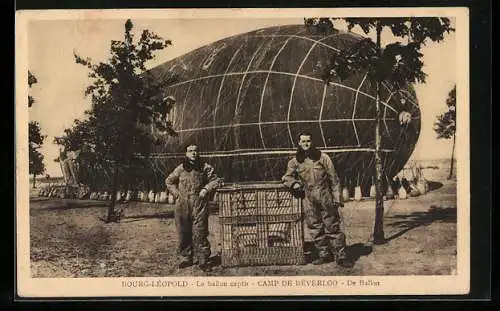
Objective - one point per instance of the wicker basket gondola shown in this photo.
(261, 224)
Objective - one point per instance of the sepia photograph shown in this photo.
(242, 152)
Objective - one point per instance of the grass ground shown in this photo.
(69, 240)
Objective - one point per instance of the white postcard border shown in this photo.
(243, 286)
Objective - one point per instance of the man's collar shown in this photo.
(313, 154)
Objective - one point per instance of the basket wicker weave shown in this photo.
(261, 224)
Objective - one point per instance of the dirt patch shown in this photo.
(69, 240)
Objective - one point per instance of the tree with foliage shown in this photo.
(36, 166)
(35, 139)
(125, 101)
(31, 80)
(397, 63)
(445, 125)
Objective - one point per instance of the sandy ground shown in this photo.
(69, 240)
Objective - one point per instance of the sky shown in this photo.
(59, 93)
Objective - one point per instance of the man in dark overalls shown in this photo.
(312, 172)
(192, 183)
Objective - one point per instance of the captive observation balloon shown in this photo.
(245, 99)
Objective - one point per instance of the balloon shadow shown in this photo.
(434, 185)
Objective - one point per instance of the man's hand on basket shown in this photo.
(203, 193)
(297, 190)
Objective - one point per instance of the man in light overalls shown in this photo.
(312, 172)
(192, 182)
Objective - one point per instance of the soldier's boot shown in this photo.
(205, 267)
(204, 264)
(323, 257)
(186, 262)
(341, 258)
(321, 260)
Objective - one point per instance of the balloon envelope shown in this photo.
(244, 100)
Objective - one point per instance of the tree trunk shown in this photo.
(378, 229)
(34, 180)
(452, 155)
(112, 216)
